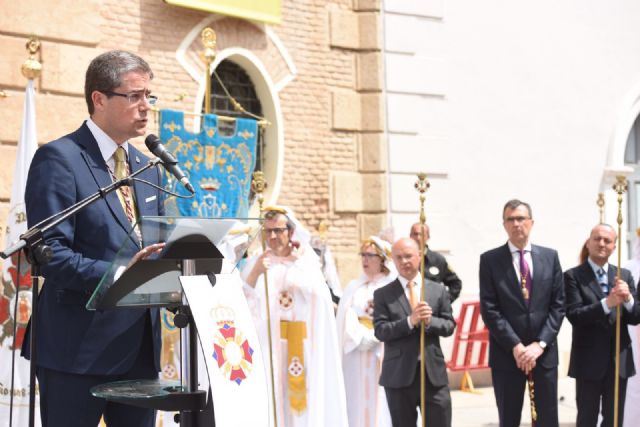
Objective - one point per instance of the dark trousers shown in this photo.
(65, 399)
(509, 389)
(404, 401)
(589, 395)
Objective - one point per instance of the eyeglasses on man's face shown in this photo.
(277, 230)
(135, 97)
(516, 219)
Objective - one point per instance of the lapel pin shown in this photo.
(137, 159)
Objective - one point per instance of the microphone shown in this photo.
(168, 161)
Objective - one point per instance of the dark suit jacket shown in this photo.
(505, 312)
(442, 273)
(402, 344)
(69, 337)
(593, 343)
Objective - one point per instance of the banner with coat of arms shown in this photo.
(232, 353)
(218, 166)
(15, 287)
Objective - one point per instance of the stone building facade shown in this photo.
(318, 74)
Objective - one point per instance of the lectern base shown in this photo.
(152, 394)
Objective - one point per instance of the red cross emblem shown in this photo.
(286, 300)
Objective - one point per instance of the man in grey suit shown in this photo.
(397, 314)
(522, 304)
(593, 293)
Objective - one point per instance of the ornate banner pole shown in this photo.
(600, 203)
(31, 69)
(208, 37)
(258, 185)
(422, 185)
(619, 187)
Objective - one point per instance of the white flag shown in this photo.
(16, 288)
(231, 350)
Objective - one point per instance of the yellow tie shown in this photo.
(124, 193)
(413, 300)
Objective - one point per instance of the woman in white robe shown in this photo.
(361, 351)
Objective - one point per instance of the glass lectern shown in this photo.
(193, 246)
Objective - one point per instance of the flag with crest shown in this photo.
(15, 295)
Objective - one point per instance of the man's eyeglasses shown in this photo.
(368, 255)
(277, 230)
(135, 97)
(514, 219)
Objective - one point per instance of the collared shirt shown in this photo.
(418, 286)
(106, 145)
(515, 255)
(605, 279)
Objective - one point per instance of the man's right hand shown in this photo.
(421, 312)
(262, 264)
(619, 294)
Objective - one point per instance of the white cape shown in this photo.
(362, 355)
(326, 402)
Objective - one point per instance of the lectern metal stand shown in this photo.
(194, 246)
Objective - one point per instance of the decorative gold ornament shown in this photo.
(31, 68)
(600, 203)
(422, 185)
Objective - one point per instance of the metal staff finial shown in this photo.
(31, 68)
(258, 185)
(619, 187)
(600, 203)
(422, 185)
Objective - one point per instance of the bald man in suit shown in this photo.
(593, 294)
(398, 311)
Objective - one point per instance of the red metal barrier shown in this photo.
(470, 345)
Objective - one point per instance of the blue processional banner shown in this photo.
(218, 166)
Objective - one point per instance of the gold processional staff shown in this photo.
(619, 187)
(422, 185)
(258, 185)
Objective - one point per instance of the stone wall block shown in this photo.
(14, 54)
(371, 224)
(370, 31)
(8, 156)
(366, 5)
(68, 20)
(372, 152)
(347, 192)
(346, 110)
(374, 192)
(66, 66)
(370, 71)
(372, 116)
(344, 29)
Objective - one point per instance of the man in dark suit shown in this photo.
(436, 267)
(77, 348)
(397, 314)
(522, 304)
(593, 294)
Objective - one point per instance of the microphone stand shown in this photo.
(39, 254)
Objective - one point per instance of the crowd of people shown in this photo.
(357, 367)
(524, 297)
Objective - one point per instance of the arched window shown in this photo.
(242, 89)
(632, 159)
